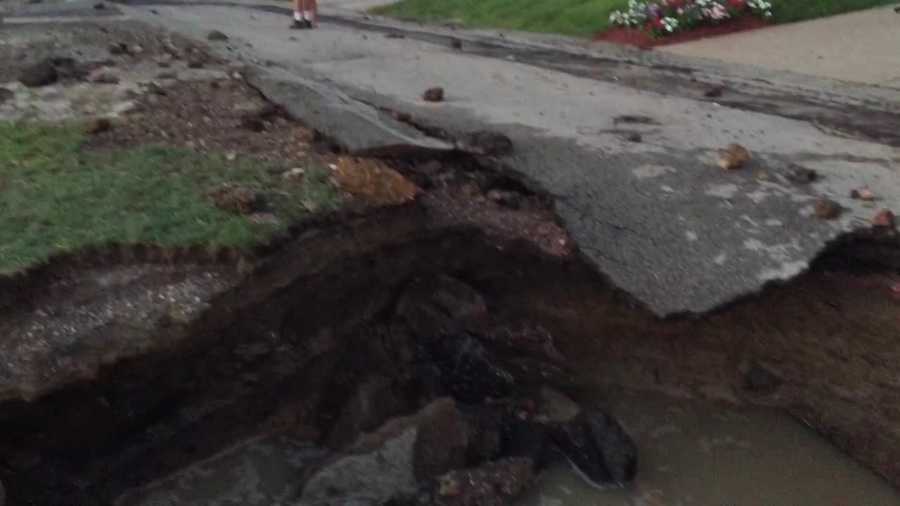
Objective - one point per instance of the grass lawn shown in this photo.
(581, 18)
(56, 197)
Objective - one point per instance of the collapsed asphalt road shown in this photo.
(628, 155)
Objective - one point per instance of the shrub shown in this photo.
(664, 17)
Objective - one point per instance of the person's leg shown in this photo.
(312, 10)
(298, 10)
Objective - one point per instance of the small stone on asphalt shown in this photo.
(863, 194)
(884, 219)
(435, 94)
(734, 157)
(827, 209)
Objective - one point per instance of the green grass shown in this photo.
(580, 18)
(56, 197)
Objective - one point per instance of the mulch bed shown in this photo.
(644, 40)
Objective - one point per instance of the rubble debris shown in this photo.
(294, 174)
(496, 483)
(236, 199)
(827, 209)
(98, 125)
(714, 92)
(435, 94)
(862, 194)
(216, 35)
(599, 447)
(635, 119)
(103, 75)
(801, 175)
(884, 219)
(734, 157)
(42, 73)
(485, 143)
(118, 49)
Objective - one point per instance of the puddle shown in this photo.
(695, 454)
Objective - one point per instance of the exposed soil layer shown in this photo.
(641, 38)
(220, 116)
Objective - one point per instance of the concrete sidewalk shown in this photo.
(861, 46)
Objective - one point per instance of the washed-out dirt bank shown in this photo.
(124, 365)
(282, 346)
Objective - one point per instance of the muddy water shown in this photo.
(698, 454)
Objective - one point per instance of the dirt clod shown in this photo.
(734, 157)
(216, 35)
(455, 43)
(862, 194)
(98, 125)
(802, 175)
(103, 75)
(435, 94)
(373, 182)
(884, 219)
(236, 199)
(827, 209)
(42, 73)
(714, 92)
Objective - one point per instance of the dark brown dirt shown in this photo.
(210, 116)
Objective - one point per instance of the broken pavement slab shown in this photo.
(658, 218)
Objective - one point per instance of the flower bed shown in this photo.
(665, 17)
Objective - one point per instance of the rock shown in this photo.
(135, 49)
(827, 209)
(103, 75)
(760, 380)
(118, 48)
(435, 94)
(216, 36)
(393, 460)
(734, 157)
(295, 174)
(884, 219)
(253, 124)
(42, 73)
(505, 198)
(456, 43)
(264, 219)
(714, 92)
(236, 199)
(373, 402)
(437, 305)
(801, 175)
(862, 194)
(555, 406)
(531, 340)
(468, 370)
(486, 143)
(497, 483)
(98, 125)
(599, 447)
(6, 94)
